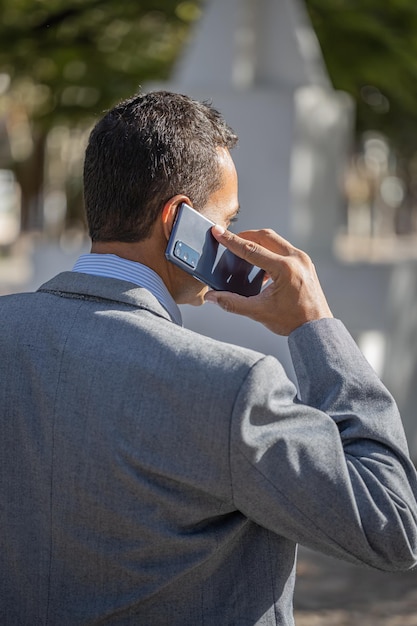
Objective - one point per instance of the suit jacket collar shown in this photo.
(76, 284)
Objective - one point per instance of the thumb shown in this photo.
(230, 302)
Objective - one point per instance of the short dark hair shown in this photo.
(143, 152)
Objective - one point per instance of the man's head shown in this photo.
(145, 151)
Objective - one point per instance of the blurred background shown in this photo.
(63, 62)
(323, 94)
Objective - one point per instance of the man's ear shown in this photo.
(170, 211)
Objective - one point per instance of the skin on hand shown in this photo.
(294, 295)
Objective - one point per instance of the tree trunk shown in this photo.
(30, 176)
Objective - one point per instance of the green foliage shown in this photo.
(66, 58)
(62, 62)
(370, 50)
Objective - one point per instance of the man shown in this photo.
(151, 475)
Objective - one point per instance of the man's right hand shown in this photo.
(293, 297)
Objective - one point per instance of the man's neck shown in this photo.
(149, 252)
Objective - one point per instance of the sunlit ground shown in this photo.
(335, 593)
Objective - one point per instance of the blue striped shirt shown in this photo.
(112, 266)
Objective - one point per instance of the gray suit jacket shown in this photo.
(150, 475)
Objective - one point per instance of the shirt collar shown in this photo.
(113, 266)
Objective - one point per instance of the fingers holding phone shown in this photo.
(193, 248)
(294, 294)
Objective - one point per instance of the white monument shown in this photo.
(259, 62)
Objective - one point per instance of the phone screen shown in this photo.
(192, 247)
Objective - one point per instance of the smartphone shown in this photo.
(193, 248)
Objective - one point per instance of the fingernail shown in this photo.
(210, 297)
(219, 230)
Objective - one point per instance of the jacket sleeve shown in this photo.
(328, 468)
